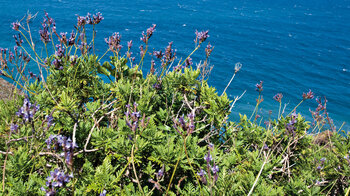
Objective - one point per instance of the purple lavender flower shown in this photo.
(136, 114)
(60, 51)
(14, 127)
(28, 110)
(308, 95)
(26, 57)
(11, 56)
(45, 34)
(201, 36)
(169, 54)
(265, 147)
(188, 62)
(49, 119)
(97, 18)
(103, 193)
(63, 37)
(33, 75)
(71, 39)
(113, 42)
(208, 50)
(88, 19)
(202, 174)
(142, 52)
(50, 20)
(57, 179)
(215, 169)
(158, 54)
(157, 86)
(149, 33)
(81, 21)
(18, 39)
(15, 26)
(208, 157)
(259, 87)
(182, 122)
(132, 118)
(278, 97)
(160, 173)
(57, 63)
(129, 44)
(211, 146)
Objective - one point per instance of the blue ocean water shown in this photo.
(292, 46)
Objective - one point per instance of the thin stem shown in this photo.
(296, 107)
(133, 166)
(229, 83)
(199, 45)
(172, 176)
(103, 55)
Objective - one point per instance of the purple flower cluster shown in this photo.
(63, 38)
(133, 118)
(57, 141)
(34, 76)
(60, 51)
(83, 20)
(15, 26)
(3, 60)
(185, 126)
(188, 62)
(321, 163)
(259, 87)
(103, 193)
(44, 33)
(14, 127)
(28, 110)
(71, 39)
(320, 117)
(49, 120)
(18, 39)
(208, 50)
(57, 63)
(202, 174)
(50, 21)
(214, 169)
(149, 33)
(97, 18)
(291, 125)
(308, 95)
(158, 54)
(158, 84)
(129, 44)
(278, 97)
(201, 36)
(170, 53)
(57, 179)
(113, 42)
(8, 54)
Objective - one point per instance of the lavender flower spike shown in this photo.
(15, 26)
(201, 36)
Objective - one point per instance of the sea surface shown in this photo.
(291, 45)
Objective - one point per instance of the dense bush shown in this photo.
(91, 127)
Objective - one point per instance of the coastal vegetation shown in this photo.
(98, 125)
